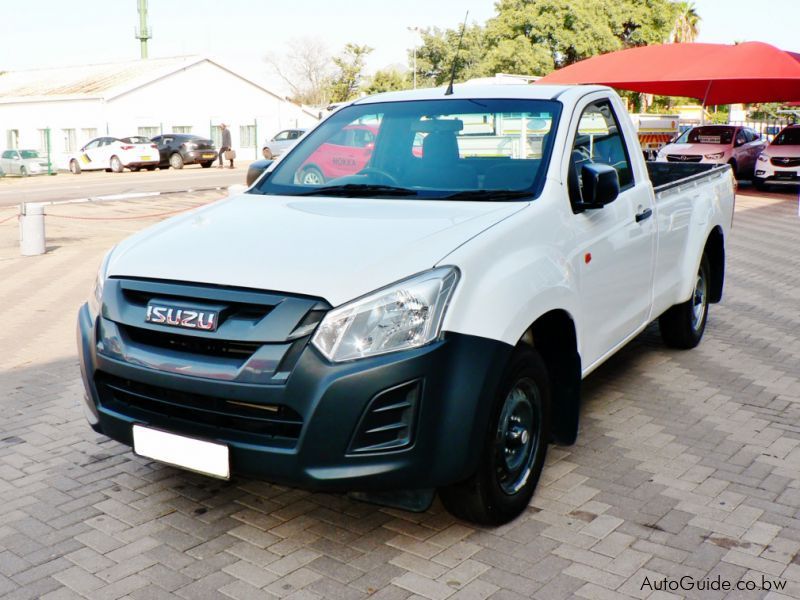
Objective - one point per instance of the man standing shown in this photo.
(226, 144)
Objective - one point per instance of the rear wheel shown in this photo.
(176, 161)
(207, 164)
(23, 172)
(74, 167)
(116, 165)
(514, 449)
(151, 168)
(683, 325)
(311, 176)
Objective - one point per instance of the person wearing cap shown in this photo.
(226, 145)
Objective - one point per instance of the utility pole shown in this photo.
(143, 33)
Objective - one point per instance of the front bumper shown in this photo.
(455, 381)
(766, 172)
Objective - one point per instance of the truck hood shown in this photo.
(332, 248)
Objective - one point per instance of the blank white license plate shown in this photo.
(200, 456)
(145, 158)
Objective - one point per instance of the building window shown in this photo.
(149, 132)
(69, 140)
(182, 129)
(216, 135)
(247, 136)
(43, 135)
(87, 134)
(12, 138)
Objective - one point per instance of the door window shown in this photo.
(283, 135)
(599, 140)
(92, 144)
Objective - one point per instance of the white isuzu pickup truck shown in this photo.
(416, 317)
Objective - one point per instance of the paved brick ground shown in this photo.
(688, 463)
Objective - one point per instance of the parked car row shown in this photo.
(22, 162)
(746, 151)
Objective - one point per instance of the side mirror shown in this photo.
(255, 170)
(599, 186)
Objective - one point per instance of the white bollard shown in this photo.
(31, 229)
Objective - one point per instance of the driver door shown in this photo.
(90, 155)
(615, 244)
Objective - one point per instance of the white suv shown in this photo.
(779, 163)
(737, 146)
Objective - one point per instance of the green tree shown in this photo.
(347, 80)
(687, 22)
(388, 80)
(437, 52)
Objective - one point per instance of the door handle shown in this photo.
(645, 214)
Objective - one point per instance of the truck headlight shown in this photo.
(95, 300)
(715, 156)
(763, 158)
(407, 314)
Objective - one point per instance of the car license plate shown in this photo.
(208, 458)
(145, 158)
(209, 156)
(785, 175)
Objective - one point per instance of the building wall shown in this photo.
(197, 98)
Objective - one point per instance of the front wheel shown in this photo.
(176, 161)
(74, 167)
(23, 172)
(267, 153)
(116, 165)
(682, 326)
(514, 449)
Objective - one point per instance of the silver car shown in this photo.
(23, 163)
(281, 142)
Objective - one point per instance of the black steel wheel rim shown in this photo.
(517, 437)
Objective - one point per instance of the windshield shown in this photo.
(136, 139)
(29, 153)
(707, 135)
(788, 137)
(432, 149)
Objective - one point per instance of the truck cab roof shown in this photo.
(532, 92)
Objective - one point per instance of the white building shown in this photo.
(143, 97)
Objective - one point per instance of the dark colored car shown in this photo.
(179, 149)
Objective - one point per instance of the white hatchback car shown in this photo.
(737, 146)
(112, 154)
(779, 163)
(281, 142)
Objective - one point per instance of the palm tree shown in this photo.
(686, 22)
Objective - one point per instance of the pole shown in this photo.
(144, 32)
(255, 138)
(414, 30)
(49, 160)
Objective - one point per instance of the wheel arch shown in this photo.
(553, 335)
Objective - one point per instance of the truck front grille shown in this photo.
(191, 344)
(684, 158)
(199, 414)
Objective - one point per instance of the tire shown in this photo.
(683, 325)
(176, 161)
(134, 169)
(74, 167)
(23, 172)
(311, 176)
(116, 165)
(514, 448)
(151, 168)
(760, 184)
(734, 168)
(207, 164)
(267, 153)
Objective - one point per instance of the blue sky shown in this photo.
(56, 32)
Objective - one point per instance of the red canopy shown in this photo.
(714, 73)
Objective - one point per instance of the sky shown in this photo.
(47, 33)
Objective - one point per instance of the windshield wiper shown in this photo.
(359, 189)
(488, 195)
